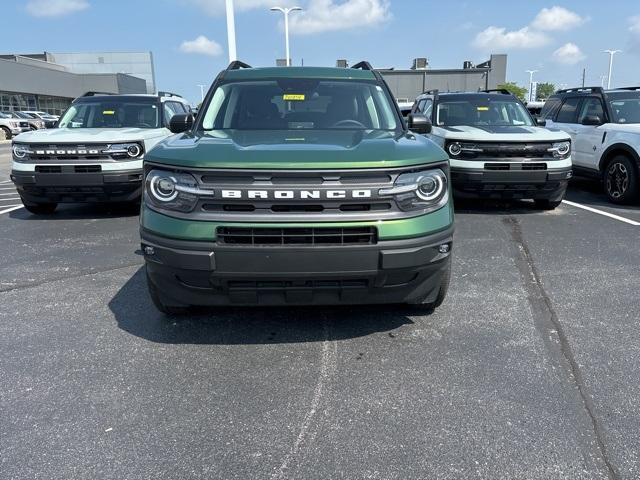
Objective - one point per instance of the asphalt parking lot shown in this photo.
(531, 368)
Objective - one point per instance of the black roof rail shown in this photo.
(581, 90)
(364, 65)
(627, 88)
(168, 94)
(93, 94)
(237, 65)
(433, 91)
(503, 91)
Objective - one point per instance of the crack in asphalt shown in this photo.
(82, 273)
(548, 323)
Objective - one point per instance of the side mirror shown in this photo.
(181, 122)
(541, 122)
(418, 123)
(591, 120)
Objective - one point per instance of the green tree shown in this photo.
(545, 90)
(515, 89)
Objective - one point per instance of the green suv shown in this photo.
(297, 185)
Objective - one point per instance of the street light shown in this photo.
(286, 12)
(201, 91)
(611, 54)
(531, 72)
(231, 31)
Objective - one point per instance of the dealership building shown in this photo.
(50, 81)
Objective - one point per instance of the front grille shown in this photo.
(69, 152)
(515, 166)
(88, 168)
(48, 169)
(297, 236)
(507, 150)
(68, 169)
(496, 166)
(534, 166)
(277, 285)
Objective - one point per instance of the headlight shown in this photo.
(124, 150)
(426, 190)
(561, 149)
(455, 149)
(171, 191)
(20, 151)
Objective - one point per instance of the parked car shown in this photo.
(96, 153)
(605, 128)
(405, 108)
(296, 185)
(496, 148)
(49, 119)
(34, 122)
(535, 108)
(10, 126)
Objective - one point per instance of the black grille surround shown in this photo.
(61, 153)
(504, 150)
(317, 236)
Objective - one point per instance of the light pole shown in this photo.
(286, 12)
(201, 91)
(611, 54)
(231, 31)
(531, 72)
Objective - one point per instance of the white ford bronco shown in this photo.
(605, 130)
(96, 153)
(496, 149)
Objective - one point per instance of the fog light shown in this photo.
(444, 248)
(149, 250)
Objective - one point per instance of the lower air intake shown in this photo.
(297, 236)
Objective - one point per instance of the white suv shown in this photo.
(96, 153)
(496, 149)
(605, 129)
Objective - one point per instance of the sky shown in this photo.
(188, 38)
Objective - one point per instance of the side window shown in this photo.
(550, 108)
(169, 110)
(421, 105)
(591, 106)
(427, 108)
(567, 113)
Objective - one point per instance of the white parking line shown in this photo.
(602, 212)
(11, 209)
(10, 193)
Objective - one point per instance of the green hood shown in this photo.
(296, 149)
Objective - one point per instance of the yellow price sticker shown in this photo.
(294, 97)
(108, 112)
(483, 109)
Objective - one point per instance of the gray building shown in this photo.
(406, 85)
(36, 82)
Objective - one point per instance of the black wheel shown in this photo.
(621, 180)
(544, 204)
(161, 304)
(40, 208)
(5, 134)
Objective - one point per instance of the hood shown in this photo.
(507, 133)
(92, 135)
(296, 149)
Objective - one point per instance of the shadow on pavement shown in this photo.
(590, 192)
(82, 212)
(136, 315)
(495, 207)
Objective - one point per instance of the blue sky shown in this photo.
(188, 37)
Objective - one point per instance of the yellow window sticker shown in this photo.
(483, 109)
(295, 97)
(108, 112)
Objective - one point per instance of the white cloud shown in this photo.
(568, 54)
(556, 18)
(331, 15)
(217, 7)
(55, 8)
(498, 38)
(201, 45)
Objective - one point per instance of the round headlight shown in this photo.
(563, 148)
(163, 188)
(20, 151)
(430, 187)
(455, 149)
(133, 150)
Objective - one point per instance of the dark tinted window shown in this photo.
(550, 108)
(567, 113)
(625, 106)
(591, 106)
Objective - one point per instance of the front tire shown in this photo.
(621, 180)
(162, 304)
(5, 134)
(545, 204)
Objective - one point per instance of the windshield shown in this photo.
(23, 115)
(5, 115)
(300, 104)
(481, 111)
(112, 113)
(625, 107)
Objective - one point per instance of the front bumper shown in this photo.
(510, 184)
(209, 274)
(73, 187)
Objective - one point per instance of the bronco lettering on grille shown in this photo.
(295, 194)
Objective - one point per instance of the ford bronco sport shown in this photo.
(296, 185)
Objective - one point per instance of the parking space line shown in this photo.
(11, 193)
(602, 212)
(15, 207)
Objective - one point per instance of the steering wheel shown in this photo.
(348, 123)
(143, 125)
